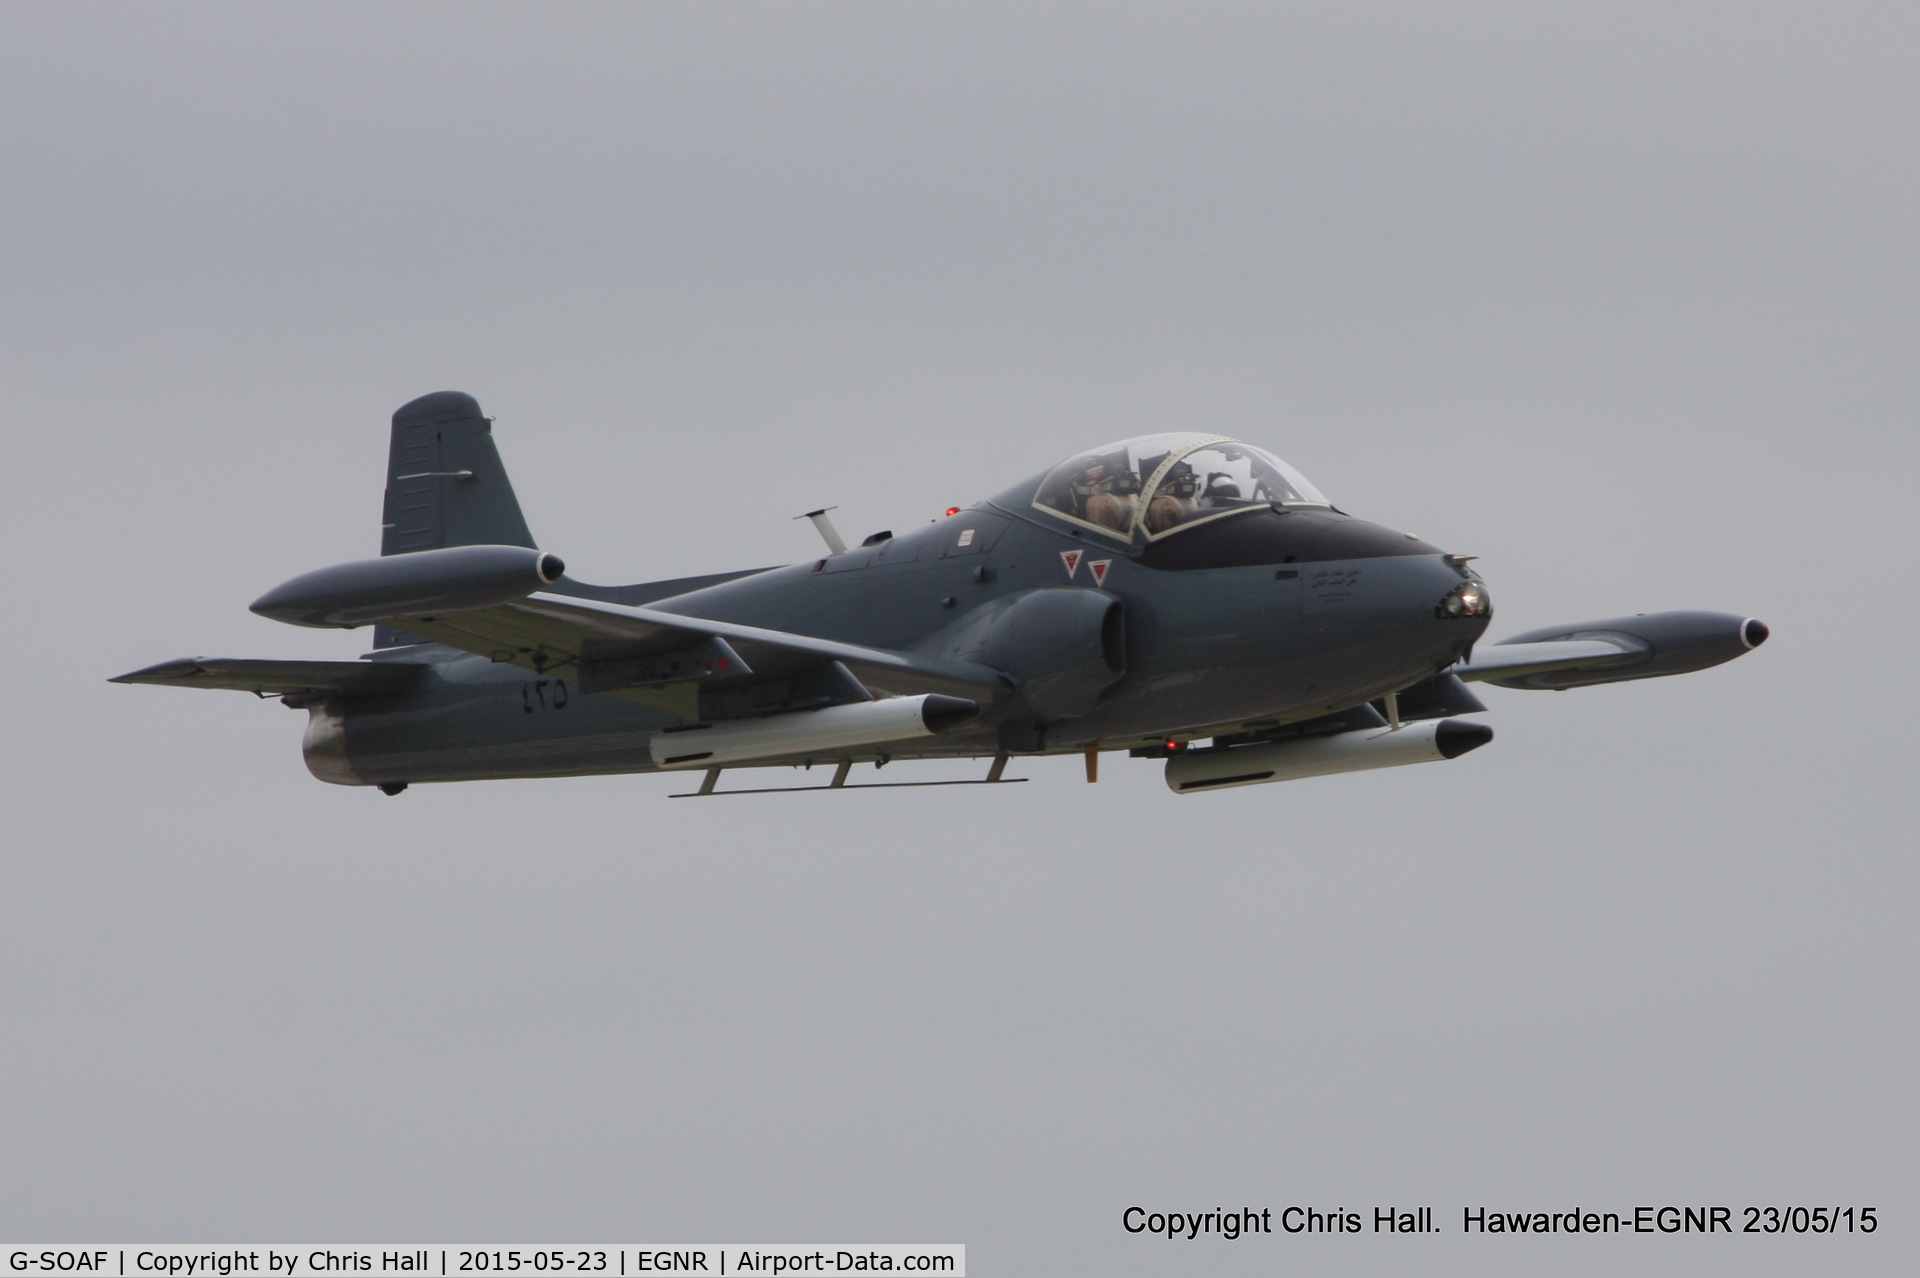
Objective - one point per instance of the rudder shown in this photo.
(446, 485)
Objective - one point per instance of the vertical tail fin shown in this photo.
(445, 486)
(445, 483)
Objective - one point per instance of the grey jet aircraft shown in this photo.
(1184, 597)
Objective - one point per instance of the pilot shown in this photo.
(1173, 500)
(1109, 496)
(1222, 489)
(1110, 510)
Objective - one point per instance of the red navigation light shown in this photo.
(952, 511)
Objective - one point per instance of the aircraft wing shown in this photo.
(560, 635)
(1515, 660)
(297, 679)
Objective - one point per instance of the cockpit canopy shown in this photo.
(1159, 485)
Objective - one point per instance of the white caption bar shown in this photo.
(467, 1260)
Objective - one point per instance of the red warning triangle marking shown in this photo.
(1071, 558)
(1099, 570)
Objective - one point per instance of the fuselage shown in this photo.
(1181, 596)
(1269, 616)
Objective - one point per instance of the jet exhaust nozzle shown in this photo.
(810, 733)
(1321, 756)
(324, 746)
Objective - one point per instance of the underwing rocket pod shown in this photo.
(829, 731)
(1320, 756)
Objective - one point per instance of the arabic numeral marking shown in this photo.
(536, 690)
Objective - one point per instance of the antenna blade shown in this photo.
(828, 532)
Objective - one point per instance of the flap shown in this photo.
(1512, 660)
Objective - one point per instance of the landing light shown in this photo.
(1468, 599)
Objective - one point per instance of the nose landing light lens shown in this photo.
(1468, 599)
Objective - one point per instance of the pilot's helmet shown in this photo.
(1105, 478)
(1179, 482)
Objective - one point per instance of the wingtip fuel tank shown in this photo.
(455, 579)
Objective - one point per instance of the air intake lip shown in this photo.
(551, 568)
(1754, 632)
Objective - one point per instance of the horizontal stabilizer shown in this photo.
(301, 680)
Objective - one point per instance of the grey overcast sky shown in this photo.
(1619, 297)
